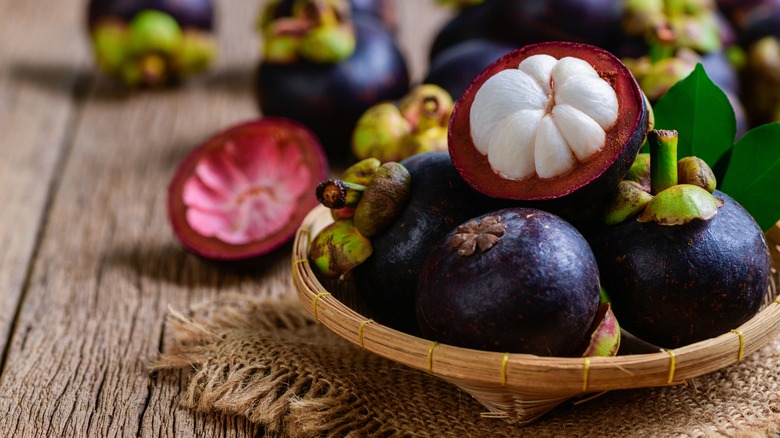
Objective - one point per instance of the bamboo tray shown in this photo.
(522, 387)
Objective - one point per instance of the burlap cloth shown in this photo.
(271, 362)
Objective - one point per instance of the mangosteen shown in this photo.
(324, 67)
(595, 22)
(152, 42)
(689, 263)
(517, 280)
(457, 66)
(559, 123)
(472, 22)
(438, 200)
(363, 204)
(245, 191)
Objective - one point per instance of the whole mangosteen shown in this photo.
(325, 66)
(559, 123)
(518, 280)
(152, 42)
(595, 22)
(684, 262)
(438, 200)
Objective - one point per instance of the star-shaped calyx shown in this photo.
(478, 235)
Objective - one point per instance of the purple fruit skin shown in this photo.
(674, 285)
(536, 291)
(438, 201)
(524, 22)
(188, 13)
(456, 67)
(329, 99)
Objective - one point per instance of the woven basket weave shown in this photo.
(522, 387)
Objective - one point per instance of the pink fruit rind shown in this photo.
(245, 191)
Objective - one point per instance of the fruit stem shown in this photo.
(663, 159)
(335, 193)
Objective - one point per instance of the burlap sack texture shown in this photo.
(271, 362)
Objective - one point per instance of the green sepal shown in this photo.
(338, 248)
(681, 204)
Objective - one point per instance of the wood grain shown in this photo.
(88, 264)
(39, 100)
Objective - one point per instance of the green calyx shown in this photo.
(384, 199)
(416, 124)
(640, 171)
(679, 190)
(361, 174)
(605, 335)
(629, 200)
(154, 31)
(339, 248)
(674, 23)
(379, 133)
(151, 50)
(376, 203)
(318, 31)
(362, 209)
(680, 204)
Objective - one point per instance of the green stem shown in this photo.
(663, 159)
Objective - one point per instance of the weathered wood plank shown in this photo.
(108, 265)
(40, 68)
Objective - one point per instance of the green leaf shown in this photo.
(753, 174)
(701, 114)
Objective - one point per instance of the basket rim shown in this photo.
(479, 370)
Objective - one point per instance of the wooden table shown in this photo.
(88, 263)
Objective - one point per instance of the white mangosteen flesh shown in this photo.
(543, 117)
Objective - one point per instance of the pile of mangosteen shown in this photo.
(502, 203)
(543, 229)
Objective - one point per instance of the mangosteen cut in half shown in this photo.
(546, 120)
(246, 190)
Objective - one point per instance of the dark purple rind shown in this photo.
(438, 201)
(535, 292)
(456, 67)
(675, 285)
(525, 22)
(329, 99)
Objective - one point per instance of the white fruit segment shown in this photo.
(542, 117)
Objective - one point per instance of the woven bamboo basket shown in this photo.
(522, 387)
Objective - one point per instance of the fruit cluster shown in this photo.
(501, 204)
(571, 233)
(152, 42)
(660, 40)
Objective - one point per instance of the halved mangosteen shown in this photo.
(550, 121)
(245, 191)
